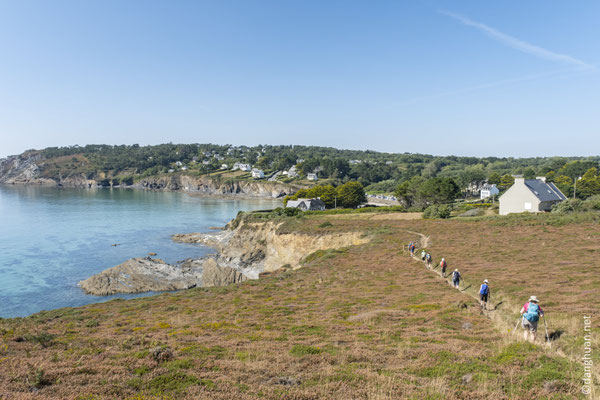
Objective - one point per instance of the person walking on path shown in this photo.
(428, 260)
(531, 313)
(443, 265)
(484, 294)
(423, 254)
(456, 278)
(411, 248)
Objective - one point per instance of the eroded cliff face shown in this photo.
(25, 169)
(253, 248)
(242, 253)
(212, 186)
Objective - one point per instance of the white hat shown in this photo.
(442, 259)
(485, 281)
(455, 270)
(533, 298)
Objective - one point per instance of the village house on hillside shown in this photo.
(488, 190)
(306, 204)
(311, 177)
(530, 195)
(257, 173)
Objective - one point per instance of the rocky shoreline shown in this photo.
(25, 170)
(242, 253)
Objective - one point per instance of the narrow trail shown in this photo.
(502, 320)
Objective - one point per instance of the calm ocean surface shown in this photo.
(52, 238)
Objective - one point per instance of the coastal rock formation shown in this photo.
(216, 275)
(207, 239)
(260, 247)
(218, 187)
(28, 168)
(142, 275)
(243, 253)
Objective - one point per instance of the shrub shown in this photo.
(592, 203)
(437, 211)
(300, 350)
(567, 206)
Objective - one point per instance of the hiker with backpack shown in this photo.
(531, 313)
(411, 248)
(443, 264)
(423, 254)
(428, 260)
(484, 294)
(456, 278)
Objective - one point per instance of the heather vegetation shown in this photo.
(362, 322)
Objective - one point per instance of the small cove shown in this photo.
(50, 238)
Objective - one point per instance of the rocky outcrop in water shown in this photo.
(142, 275)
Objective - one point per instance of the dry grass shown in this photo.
(366, 323)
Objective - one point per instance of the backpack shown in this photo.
(444, 265)
(532, 314)
(484, 289)
(456, 276)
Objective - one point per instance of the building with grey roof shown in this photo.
(307, 204)
(530, 195)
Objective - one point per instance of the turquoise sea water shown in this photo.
(50, 238)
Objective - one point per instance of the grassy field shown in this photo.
(365, 322)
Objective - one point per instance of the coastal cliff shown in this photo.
(255, 247)
(206, 185)
(31, 168)
(243, 253)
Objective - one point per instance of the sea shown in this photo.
(52, 238)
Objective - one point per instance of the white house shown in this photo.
(224, 166)
(184, 168)
(293, 172)
(178, 163)
(306, 204)
(312, 177)
(257, 173)
(530, 195)
(245, 167)
(488, 190)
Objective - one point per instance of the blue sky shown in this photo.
(439, 77)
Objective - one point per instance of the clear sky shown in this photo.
(505, 78)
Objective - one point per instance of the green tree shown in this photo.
(589, 184)
(327, 193)
(438, 190)
(351, 194)
(494, 178)
(577, 168)
(564, 184)
(406, 192)
(529, 173)
(506, 181)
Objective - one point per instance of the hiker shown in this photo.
(423, 254)
(531, 313)
(456, 278)
(484, 294)
(412, 249)
(443, 264)
(428, 260)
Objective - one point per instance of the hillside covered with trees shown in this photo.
(416, 179)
